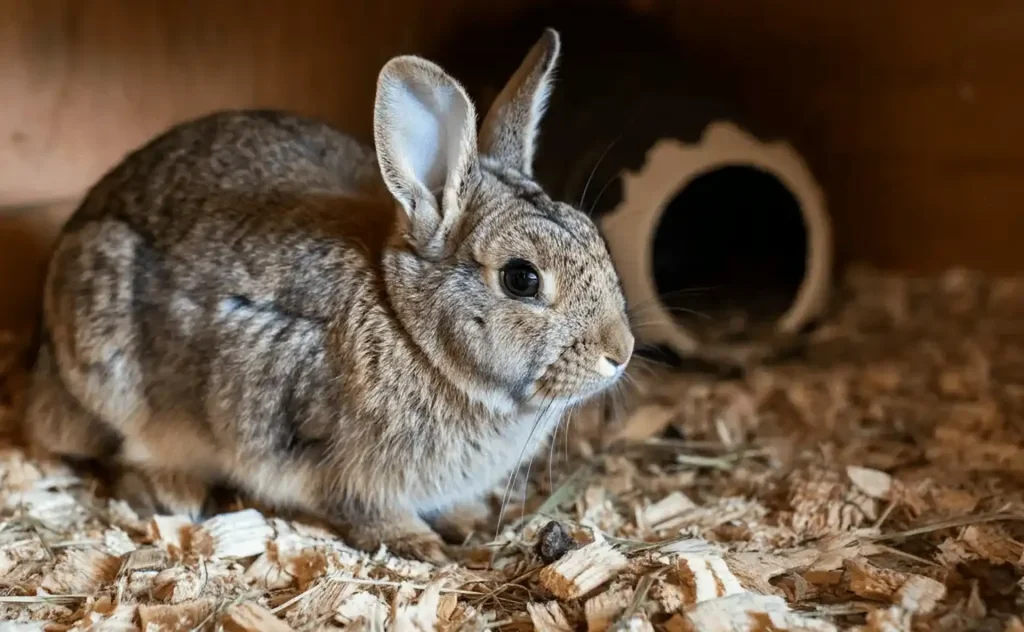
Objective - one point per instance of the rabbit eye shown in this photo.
(520, 279)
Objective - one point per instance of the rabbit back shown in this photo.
(186, 302)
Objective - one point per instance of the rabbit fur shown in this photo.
(254, 299)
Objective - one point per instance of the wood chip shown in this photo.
(290, 560)
(172, 532)
(603, 609)
(147, 558)
(324, 599)
(669, 507)
(871, 484)
(893, 619)
(121, 619)
(871, 582)
(185, 616)
(749, 612)
(117, 543)
(363, 609)
(420, 616)
(251, 617)
(80, 571)
(646, 422)
(704, 577)
(233, 535)
(548, 617)
(991, 542)
(582, 570)
(874, 483)
(755, 570)
(446, 607)
(920, 594)
(57, 509)
(179, 584)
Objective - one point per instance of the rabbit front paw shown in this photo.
(461, 522)
(403, 536)
(151, 492)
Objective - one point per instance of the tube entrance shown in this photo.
(729, 253)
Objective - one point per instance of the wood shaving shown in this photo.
(871, 582)
(363, 609)
(749, 612)
(239, 534)
(548, 617)
(582, 570)
(422, 615)
(80, 571)
(183, 616)
(603, 610)
(872, 482)
(251, 617)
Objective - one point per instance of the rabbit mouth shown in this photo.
(568, 380)
(558, 391)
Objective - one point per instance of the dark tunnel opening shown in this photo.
(730, 252)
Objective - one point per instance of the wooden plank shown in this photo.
(85, 81)
(909, 112)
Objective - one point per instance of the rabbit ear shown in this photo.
(510, 129)
(424, 128)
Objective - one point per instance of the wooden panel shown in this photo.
(86, 80)
(909, 112)
(912, 114)
(26, 235)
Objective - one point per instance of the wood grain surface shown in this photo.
(910, 113)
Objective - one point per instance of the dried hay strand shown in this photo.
(874, 481)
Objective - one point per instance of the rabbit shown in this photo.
(377, 337)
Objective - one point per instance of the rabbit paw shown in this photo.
(409, 538)
(419, 546)
(462, 521)
(159, 492)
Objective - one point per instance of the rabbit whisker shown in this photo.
(514, 474)
(639, 107)
(600, 193)
(551, 452)
(563, 422)
(533, 457)
(573, 414)
(674, 309)
(597, 164)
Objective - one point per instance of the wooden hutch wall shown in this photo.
(910, 113)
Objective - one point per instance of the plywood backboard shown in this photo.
(909, 112)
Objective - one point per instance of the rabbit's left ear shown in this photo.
(425, 136)
(509, 131)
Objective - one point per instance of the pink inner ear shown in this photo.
(428, 127)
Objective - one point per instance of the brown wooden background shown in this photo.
(910, 112)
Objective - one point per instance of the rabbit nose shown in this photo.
(607, 367)
(619, 349)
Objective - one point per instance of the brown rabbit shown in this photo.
(255, 300)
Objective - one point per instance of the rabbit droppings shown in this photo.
(255, 300)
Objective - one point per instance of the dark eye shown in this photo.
(520, 279)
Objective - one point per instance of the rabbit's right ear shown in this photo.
(510, 129)
(424, 129)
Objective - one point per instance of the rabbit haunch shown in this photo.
(255, 300)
